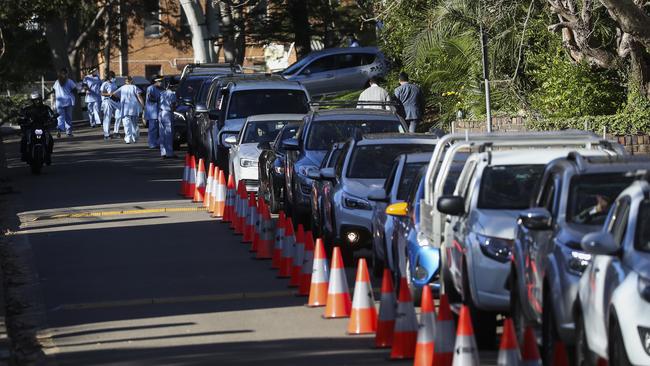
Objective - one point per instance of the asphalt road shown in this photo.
(157, 288)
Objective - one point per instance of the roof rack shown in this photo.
(351, 104)
(583, 161)
(235, 68)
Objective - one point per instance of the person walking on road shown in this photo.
(412, 100)
(166, 117)
(131, 105)
(108, 105)
(374, 94)
(91, 85)
(64, 91)
(151, 108)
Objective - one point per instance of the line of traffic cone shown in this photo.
(338, 295)
(241, 207)
(257, 223)
(209, 186)
(249, 219)
(218, 202)
(229, 204)
(288, 245)
(425, 342)
(406, 325)
(363, 319)
(199, 188)
(509, 354)
(191, 179)
(387, 312)
(276, 260)
(307, 265)
(265, 244)
(465, 350)
(319, 277)
(298, 257)
(444, 335)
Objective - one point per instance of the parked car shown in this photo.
(243, 97)
(271, 167)
(319, 188)
(363, 166)
(246, 147)
(573, 200)
(321, 129)
(337, 70)
(396, 188)
(612, 309)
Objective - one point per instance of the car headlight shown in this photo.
(248, 163)
(278, 169)
(643, 285)
(179, 115)
(578, 261)
(305, 169)
(354, 203)
(498, 249)
(422, 239)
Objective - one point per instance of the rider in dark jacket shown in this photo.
(36, 115)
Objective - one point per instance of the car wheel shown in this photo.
(483, 322)
(273, 200)
(377, 265)
(583, 355)
(416, 293)
(617, 353)
(516, 310)
(549, 332)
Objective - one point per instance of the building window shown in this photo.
(152, 27)
(151, 70)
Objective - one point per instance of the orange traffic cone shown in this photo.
(445, 334)
(406, 325)
(338, 295)
(560, 357)
(287, 250)
(257, 223)
(465, 350)
(191, 179)
(298, 257)
(219, 196)
(186, 175)
(530, 352)
(509, 349)
(199, 189)
(265, 245)
(242, 207)
(236, 208)
(307, 265)
(230, 198)
(387, 310)
(249, 223)
(363, 319)
(276, 261)
(319, 277)
(208, 187)
(424, 344)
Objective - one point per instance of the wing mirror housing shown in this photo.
(314, 174)
(201, 108)
(231, 140)
(600, 242)
(536, 219)
(399, 209)
(328, 173)
(451, 205)
(291, 144)
(378, 195)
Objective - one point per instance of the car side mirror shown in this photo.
(451, 205)
(399, 209)
(600, 242)
(291, 144)
(536, 219)
(314, 174)
(187, 102)
(201, 108)
(213, 114)
(328, 173)
(264, 145)
(231, 140)
(378, 195)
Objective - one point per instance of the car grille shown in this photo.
(251, 182)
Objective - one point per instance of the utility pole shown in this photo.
(486, 77)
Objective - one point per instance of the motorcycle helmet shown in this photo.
(35, 97)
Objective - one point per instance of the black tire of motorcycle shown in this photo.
(36, 162)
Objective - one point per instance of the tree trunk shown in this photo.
(639, 74)
(212, 19)
(239, 34)
(301, 27)
(227, 33)
(196, 19)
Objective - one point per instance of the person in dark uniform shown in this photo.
(36, 115)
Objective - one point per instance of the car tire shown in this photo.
(348, 257)
(516, 309)
(549, 331)
(377, 265)
(583, 355)
(617, 353)
(274, 203)
(483, 322)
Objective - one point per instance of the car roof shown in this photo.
(352, 113)
(532, 156)
(397, 138)
(276, 117)
(602, 164)
(255, 84)
(339, 50)
(396, 135)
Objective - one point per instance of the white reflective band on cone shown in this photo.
(338, 282)
(465, 352)
(320, 272)
(426, 328)
(405, 320)
(388, 308)
(366, 300)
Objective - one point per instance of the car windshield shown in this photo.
(508, 187)
(643, 227)
(295, 67)
(188, 88)
(591, 195)
(409, 173)
(262, 131)
(375, 161)
(262, 101)
(323, 134)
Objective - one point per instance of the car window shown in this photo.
(508, 187)
(642, 241)
(247, 103)
(261, 131)
(288, 132)
(296, 66)
(618, 223)
(591, 195)
(326, 63)
(409, 174)
(547, 199)
(388, 184)
(189, 87)
(338, 166)
(333, 158)
(464, 178)
(374, 161)
(349, 60)
(324, 134)
(202, 95)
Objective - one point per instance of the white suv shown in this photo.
(612, 310)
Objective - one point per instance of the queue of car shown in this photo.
(551, 229)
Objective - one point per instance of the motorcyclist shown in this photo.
(36, 115)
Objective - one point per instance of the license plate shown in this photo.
(38, 132)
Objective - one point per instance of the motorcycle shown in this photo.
(36, 147)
